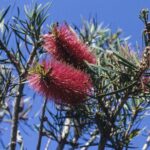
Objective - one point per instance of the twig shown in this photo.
(48, 143)
(124, 100)
(18, 97)
(41, 125)
(31, 58)
(10, 56)
(104, 130)
(120, 90)
(90, 141)
(64, 134)
(102, 142)
(32, 55)
(15, 117)
(134, 116)
(147, 144)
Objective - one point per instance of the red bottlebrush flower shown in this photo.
(64, 44)
(60, 82)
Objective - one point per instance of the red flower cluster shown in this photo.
(64, 45)
(61, 82)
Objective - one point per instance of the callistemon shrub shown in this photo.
(60, 82)
(64, 44)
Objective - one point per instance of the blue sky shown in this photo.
(113, 13)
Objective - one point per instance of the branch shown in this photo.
(90, 141)
(32, 55)
(104, 129)
(10, 56)
(120, 90)
(64, 134)
(18, 98)
(48, 143)
(102, 142)
(124, 100)
(147, 144)
(77, 133)
(16, 116)
(31, 58)
(41, 125)
(134, 116)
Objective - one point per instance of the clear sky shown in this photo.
(113, 13)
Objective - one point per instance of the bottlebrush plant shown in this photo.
(94, 87)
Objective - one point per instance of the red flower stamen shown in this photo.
(60, 82)
(64, 45)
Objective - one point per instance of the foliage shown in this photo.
(111, 114)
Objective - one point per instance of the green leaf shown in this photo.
(4, 13)
(134, 133)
